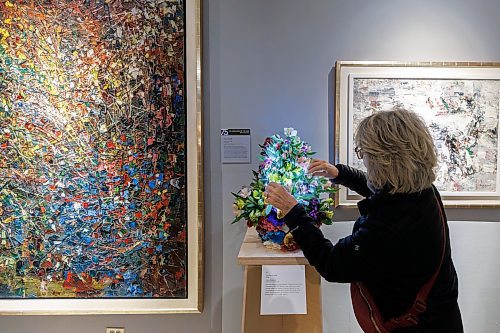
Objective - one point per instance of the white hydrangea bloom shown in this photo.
(289, 131)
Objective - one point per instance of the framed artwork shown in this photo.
(100, 157)
(460, 103)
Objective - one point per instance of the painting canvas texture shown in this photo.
(92, 149)
(462, 116)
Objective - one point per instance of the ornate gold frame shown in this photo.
(344, 68)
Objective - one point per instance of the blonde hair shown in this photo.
(398, 151)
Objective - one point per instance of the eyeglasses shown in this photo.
(359, 152)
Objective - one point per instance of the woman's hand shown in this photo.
(322, 168)
(279, 197)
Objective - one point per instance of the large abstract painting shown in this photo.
(99, 156)
(459, 103)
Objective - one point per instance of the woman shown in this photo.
(397, 242)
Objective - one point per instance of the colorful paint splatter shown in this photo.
(463, 118)
(92, 149)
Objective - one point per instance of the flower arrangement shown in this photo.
(284, 160)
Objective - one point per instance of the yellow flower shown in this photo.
(4, 34)
(275, 178)
(279, 214)
(240, 203)
(289, 242)
(328, 201)
(236, 211)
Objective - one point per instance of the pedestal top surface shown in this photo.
(253, 252)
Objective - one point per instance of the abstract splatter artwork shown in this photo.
(463, 118)
(92, 149)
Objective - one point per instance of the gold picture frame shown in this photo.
(468, 178)
(193, 184)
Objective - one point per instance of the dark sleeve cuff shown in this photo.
(296, 216)
(341, 174)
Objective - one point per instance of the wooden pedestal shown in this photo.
(253, 255)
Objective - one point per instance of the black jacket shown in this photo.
(395, 248)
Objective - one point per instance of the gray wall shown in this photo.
(267, 65)
(273, 70)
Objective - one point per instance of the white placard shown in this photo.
(235, 145)
(283, 290)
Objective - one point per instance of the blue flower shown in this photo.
(274, 236)
(273, 218)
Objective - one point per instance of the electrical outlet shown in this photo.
(115, 329)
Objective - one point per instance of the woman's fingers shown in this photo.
(322, 168)
(274, 190)
(277, 196)
(273, 185)
(317, 166)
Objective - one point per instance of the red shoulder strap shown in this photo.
(424, 292)
(411, 317)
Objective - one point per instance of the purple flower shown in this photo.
(313, 204)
